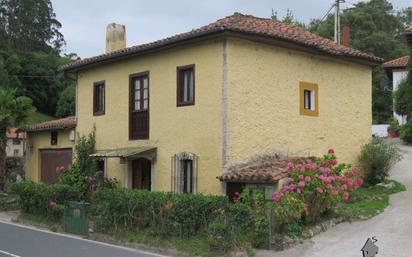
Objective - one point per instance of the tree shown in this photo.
(289, 18)
(66, 104)
(14, 111)
(30, 25)
(403, 96)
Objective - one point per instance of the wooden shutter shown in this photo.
(139, 106)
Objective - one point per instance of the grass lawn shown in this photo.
(38, 117)
(368, 202)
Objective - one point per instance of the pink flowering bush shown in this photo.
(319, 186)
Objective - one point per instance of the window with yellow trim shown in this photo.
(309, 99)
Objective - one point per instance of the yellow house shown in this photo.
(174, 114)
(49, 147)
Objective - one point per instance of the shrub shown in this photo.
(83, 166)
(43, 199)
(164, 213)
(319, 186)
(406, 132)
(376, 160)
(394, 127)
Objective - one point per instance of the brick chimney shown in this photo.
(115, 37)
(346, 35)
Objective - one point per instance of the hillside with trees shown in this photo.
(30, 55)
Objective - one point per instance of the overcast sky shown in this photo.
(84, 22)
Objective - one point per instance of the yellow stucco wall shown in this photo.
(196, 129)
(40, 140)
(263, 103)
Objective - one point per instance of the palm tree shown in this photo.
(14, 111)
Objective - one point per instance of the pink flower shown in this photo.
(311, 166)
(319, 190)
(346, 196)
(299, 191)
(292, 187)
(308, 179)
(334, 192)
(301, 184)
(290, 166)
(359, 182)
(329, 186)
(302, 168)
(331, 151)
(301, 177)
(52, 204)
(277, 196)
(334, 162)
(343, 187)
(325, 170)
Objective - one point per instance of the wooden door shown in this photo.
(51, 161)
(141, 174)
(139, 106)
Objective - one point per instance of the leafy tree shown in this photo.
(66, 103)
(30, 25)
(403, 96)
(289, 18)
(9, 69)
(14, 111)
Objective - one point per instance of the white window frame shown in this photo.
(177, 179)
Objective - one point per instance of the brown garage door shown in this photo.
(52, 159)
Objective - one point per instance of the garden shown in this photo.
(204, 225)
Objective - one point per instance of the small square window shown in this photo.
(186, 85)
(53, 138)
(99, 98)
(309, 102)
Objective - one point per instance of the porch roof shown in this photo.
(123, 152)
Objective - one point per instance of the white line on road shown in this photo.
(9, 254)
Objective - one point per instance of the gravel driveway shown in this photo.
(392, 228)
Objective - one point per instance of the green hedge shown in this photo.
(165, 213)
(41, 199)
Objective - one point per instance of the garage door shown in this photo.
(52, 159)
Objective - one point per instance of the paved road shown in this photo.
(18, 241)
(392, 228)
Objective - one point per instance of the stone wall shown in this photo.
(15, 168)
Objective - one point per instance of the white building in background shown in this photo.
(15, 143)
(396, 70)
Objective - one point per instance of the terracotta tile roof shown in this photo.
(65, 123)
(264, 173)
(243, 24)
(408, 29)
(400, 62)
(12, 134)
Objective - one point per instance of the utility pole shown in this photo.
(337, 22)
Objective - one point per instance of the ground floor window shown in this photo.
(184, 173)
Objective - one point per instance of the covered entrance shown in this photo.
(137, 164)
(141, 174)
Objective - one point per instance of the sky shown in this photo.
(84, 22)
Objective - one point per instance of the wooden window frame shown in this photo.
(131, 103)
(303, 86)
(52, 134)
(179, 85)
(95, 85)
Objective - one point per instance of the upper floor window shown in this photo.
(186, 85)
(16, 142)
(184, 173)
(309, 102)
(53, 138)
(99, 98)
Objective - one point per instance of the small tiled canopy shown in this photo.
(264, 173)
(65, 123)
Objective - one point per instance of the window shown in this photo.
(184, 173)
(139, 106)
(16, 152)
(99, 98)
(186, 85)
(16, 142)
(101, 166)
(53, 138)
(309, 99)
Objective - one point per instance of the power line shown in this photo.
(327, 13)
